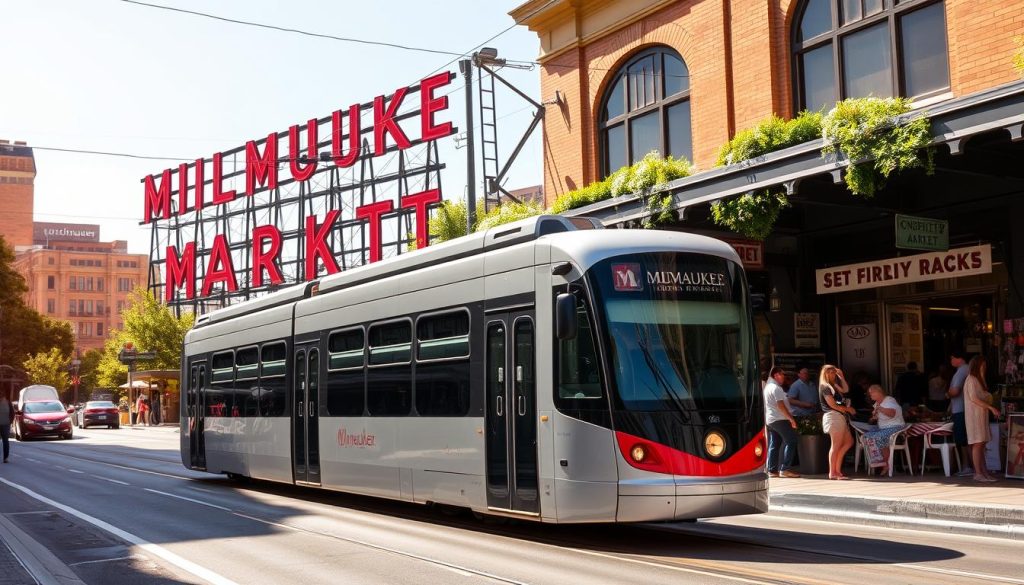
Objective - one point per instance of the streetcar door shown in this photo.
(511, 419)
(196, 410)
(305, 415)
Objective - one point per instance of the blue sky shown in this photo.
(112, 76)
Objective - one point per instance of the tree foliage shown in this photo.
(148, 326)
(23, 331)
(49, 368)
(1018, 55)
(507, 213)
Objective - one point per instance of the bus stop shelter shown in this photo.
(163, 389)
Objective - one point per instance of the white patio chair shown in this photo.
(944, 447)
(898, 442)
(859, 447)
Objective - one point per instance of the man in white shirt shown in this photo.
(781, 426)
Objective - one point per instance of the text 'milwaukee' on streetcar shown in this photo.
(546, 370)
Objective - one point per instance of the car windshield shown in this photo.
(677, 325)
(101, 404)
(41, 407)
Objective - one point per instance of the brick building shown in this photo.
(73, 276)
(17, 176)
(684, 76)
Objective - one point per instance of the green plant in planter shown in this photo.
(809, 425)
(869, 133)
(754, 214)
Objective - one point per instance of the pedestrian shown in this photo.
(781, 426)
(143, 410)
(887, 417)
(832, 391)
(976, 408)
(6, 420)
(803, 396)
(956, 405)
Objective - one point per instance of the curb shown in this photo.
(969, 519)
(44, 567)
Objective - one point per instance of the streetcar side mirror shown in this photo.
(565, 316)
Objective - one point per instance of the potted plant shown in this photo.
(813, 446)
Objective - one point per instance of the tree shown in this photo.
(148, 326)
(87, 370)
(49, 368)
(23, 331)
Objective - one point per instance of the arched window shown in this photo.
(856, 48)
(647, 107)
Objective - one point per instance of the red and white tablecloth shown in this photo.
(923, 428)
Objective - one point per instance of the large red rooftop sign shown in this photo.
(321, 196)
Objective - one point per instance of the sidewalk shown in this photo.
(933, 502)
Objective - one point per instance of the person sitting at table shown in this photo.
(938, 385)
(887, 415)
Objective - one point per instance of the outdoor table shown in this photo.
(915, 440)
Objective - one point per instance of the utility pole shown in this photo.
(466, 67)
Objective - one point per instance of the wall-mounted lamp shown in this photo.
(774, 301)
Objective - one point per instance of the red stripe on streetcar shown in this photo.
(664, 459)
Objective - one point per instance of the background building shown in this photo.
(75, 277)
(17, 176)
(684, 76)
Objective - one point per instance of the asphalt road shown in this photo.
(116, 506)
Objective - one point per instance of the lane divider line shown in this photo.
(75, 471)
(159, 551)
(127, 558)
(187, 499)
(117, 481)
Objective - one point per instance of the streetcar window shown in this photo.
(443, 336)
(390, 343)
(346, 349)
(578, 371)
(219, 401)
(389, 388)
(346, 384)
(246, 386)
(273, 386)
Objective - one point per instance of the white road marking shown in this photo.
(123, 467)
(170, 557)
(117, 481)
(127, 558)
(75, 471)
(958, 573)
(187, 499)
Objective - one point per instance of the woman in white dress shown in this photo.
(976, 408)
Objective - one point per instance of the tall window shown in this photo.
(857, 48)
(647, 107)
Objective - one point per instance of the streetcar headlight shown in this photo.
(714, 444)
(758, 449)
(638, 453)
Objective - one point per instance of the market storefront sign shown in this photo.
(921, 233)
(751, 253)
(907, 269)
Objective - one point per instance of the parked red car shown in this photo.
(42, 418)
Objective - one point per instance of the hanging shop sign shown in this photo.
(807, 330)
(751, 253)
(907, 269)
(921, 233)
(329, 194)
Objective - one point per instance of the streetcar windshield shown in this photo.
(677, 331)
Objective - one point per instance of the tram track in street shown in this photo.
(627, 543)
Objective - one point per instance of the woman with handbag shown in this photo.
(832, 390)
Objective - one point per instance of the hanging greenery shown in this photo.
(641, 179)
(754, 214)
(507, 213)
(868, 132)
